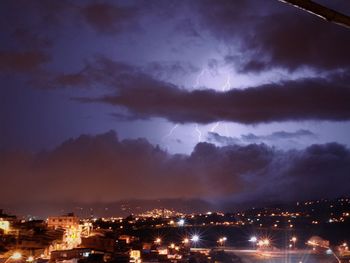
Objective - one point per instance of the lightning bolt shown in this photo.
(198, 79)
(227, 84)
(215, 126)
(199, 133)
(225, 87)
(170, 132)
(196, 85)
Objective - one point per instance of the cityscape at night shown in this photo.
(280, 233)
(179, 131)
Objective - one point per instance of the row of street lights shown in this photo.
(194, 239)
(222, 241)
(265, 242)
(262, 243)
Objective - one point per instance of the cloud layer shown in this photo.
(146, 97)
(104, 168)
(253, 138)
(272, 34)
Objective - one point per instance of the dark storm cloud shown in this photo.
(329, 161)
(144, 96)
(253, 138)
(273, 34)
(298, 40)
(42, 15)
(114, 74)
(27, 28)
(109, 18)
(34, 27)
(104, 168)
(27, 61)
(99, 71)
(30, 40)
(124, 116)
(25, 32)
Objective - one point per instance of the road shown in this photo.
(281, 256)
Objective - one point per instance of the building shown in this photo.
(5, 222)
(4, 226)
(76, 253)
(99, 243)
(64, 222)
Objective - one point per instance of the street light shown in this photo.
(186, 241)
(158, 241)
(16, 256)
(195, 238)
(30, 259)
(266, 242)
(253, 239)
(222, 240)
(294, 240)
(263, 243)
(181, 222)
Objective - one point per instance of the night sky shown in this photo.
(218, 100)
